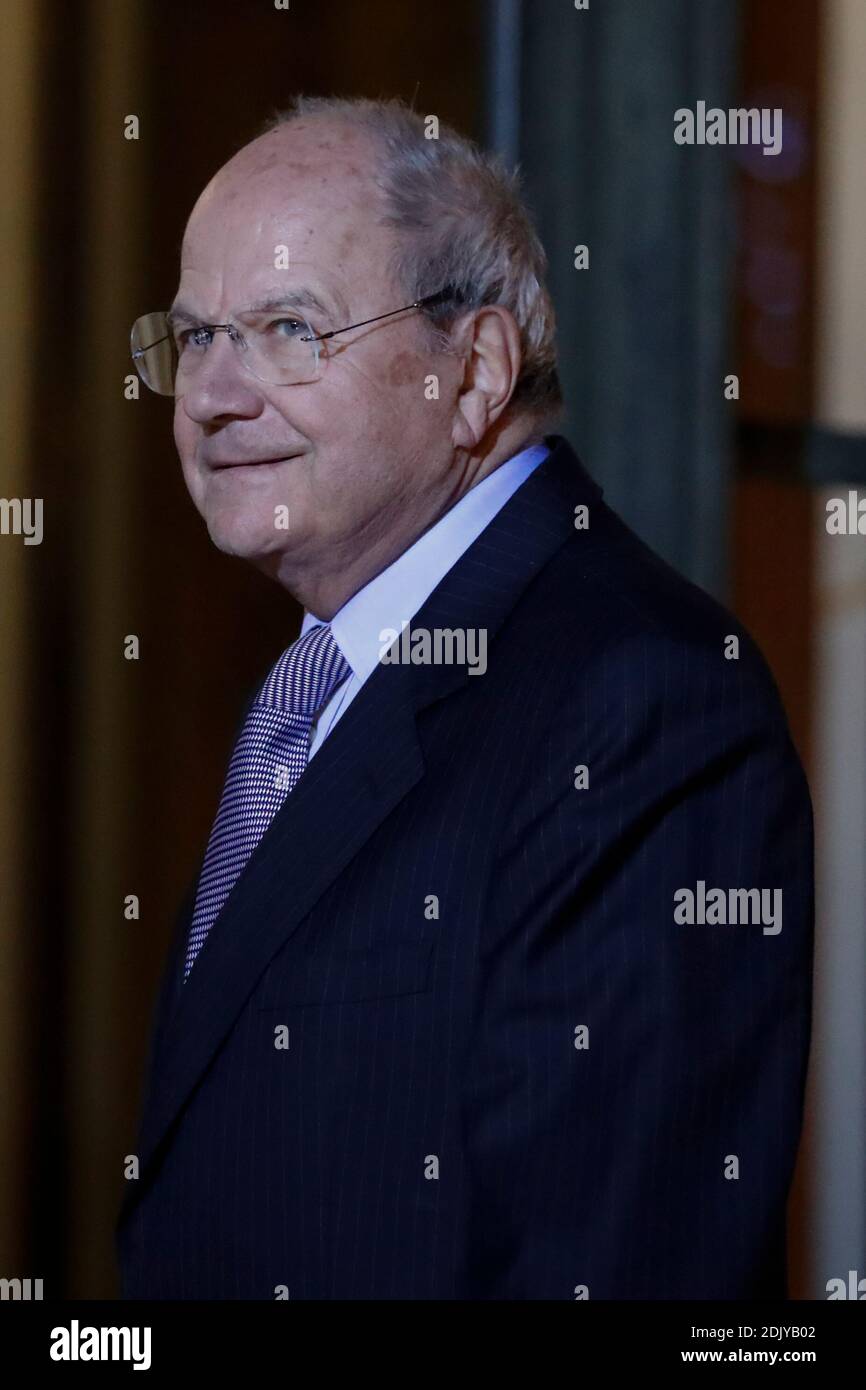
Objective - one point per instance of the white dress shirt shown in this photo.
(398, 592)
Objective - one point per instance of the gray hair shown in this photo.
(461, 224)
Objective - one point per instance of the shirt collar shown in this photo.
(395, 594)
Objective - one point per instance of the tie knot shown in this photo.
(306, 674)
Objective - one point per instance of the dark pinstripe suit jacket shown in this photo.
(509, 1072)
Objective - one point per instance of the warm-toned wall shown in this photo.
(17, 271)
(124, 760)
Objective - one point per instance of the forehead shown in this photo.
(299, 204)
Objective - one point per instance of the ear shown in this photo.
(488, 340)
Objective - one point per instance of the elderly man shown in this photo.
(474, 995)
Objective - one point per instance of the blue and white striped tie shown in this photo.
(268, 759)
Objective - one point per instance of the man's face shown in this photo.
(360, 458)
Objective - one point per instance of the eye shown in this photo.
(294, 327)
(199, 337)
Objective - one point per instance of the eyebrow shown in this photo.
(301, 298)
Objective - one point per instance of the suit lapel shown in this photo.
(369, 762)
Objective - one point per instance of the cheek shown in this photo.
(418, 395)
(406, 369)
(382, 403)
(184, 440)
(183, 433)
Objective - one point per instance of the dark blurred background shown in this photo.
(704, 263)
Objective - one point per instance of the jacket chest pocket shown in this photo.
(383, 971)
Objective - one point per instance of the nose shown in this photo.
(219, 388)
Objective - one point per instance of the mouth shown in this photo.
(234, 464)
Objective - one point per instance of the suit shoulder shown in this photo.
(619, 611)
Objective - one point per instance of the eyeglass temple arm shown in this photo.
(436, 298)
(139, 352)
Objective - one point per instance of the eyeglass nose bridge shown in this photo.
(235, 334)
(191, 371)
(236, 338)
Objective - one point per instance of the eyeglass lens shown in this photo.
(275, 351)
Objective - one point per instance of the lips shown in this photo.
(218, 464)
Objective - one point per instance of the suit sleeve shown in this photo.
(633, 1084)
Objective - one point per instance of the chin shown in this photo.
(248, 541)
